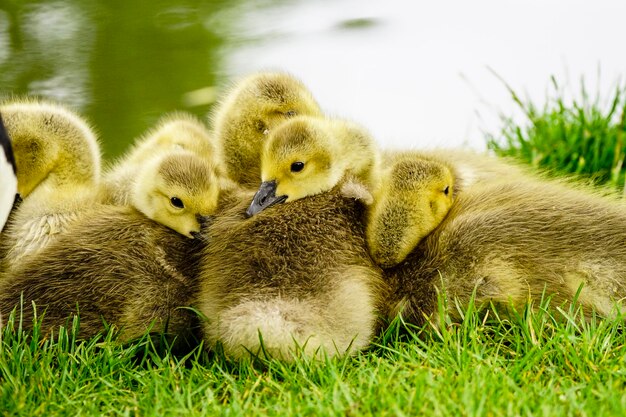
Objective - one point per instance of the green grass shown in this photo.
(585, 137)
(535, 364)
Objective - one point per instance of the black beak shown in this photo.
(264, 198)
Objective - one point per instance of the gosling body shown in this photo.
(509, 242)
(294, 278)
(112, 265)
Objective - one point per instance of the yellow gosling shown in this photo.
(58, 170)
(172, 174)
(252, 109)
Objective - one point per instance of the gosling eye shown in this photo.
(177, 202)
(446, 190)
(297, 166)
(290, 113)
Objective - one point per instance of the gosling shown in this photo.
(251, 110)
(172, 175)
(57, 157)
(511, 242)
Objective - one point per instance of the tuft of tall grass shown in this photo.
(586, 136)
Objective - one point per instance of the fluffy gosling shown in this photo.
(252, 109)
(172, 175)
(57, 157)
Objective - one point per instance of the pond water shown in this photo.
(417, 74)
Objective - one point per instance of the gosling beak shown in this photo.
(264, 198)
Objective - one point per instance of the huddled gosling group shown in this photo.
(281, 231)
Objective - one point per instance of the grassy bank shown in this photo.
(535, 364)
(584, 136)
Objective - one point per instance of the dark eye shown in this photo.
(290, 113)
(177, 202)
(446, 190)
(297, 166)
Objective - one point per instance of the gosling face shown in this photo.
(415, 198)
(178, 191)
(297, 161)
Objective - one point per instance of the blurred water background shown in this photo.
(417, 74)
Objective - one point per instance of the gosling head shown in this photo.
(414, 199)
(301, 158)
(178, 190)
(181, 131)
(255, 107)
